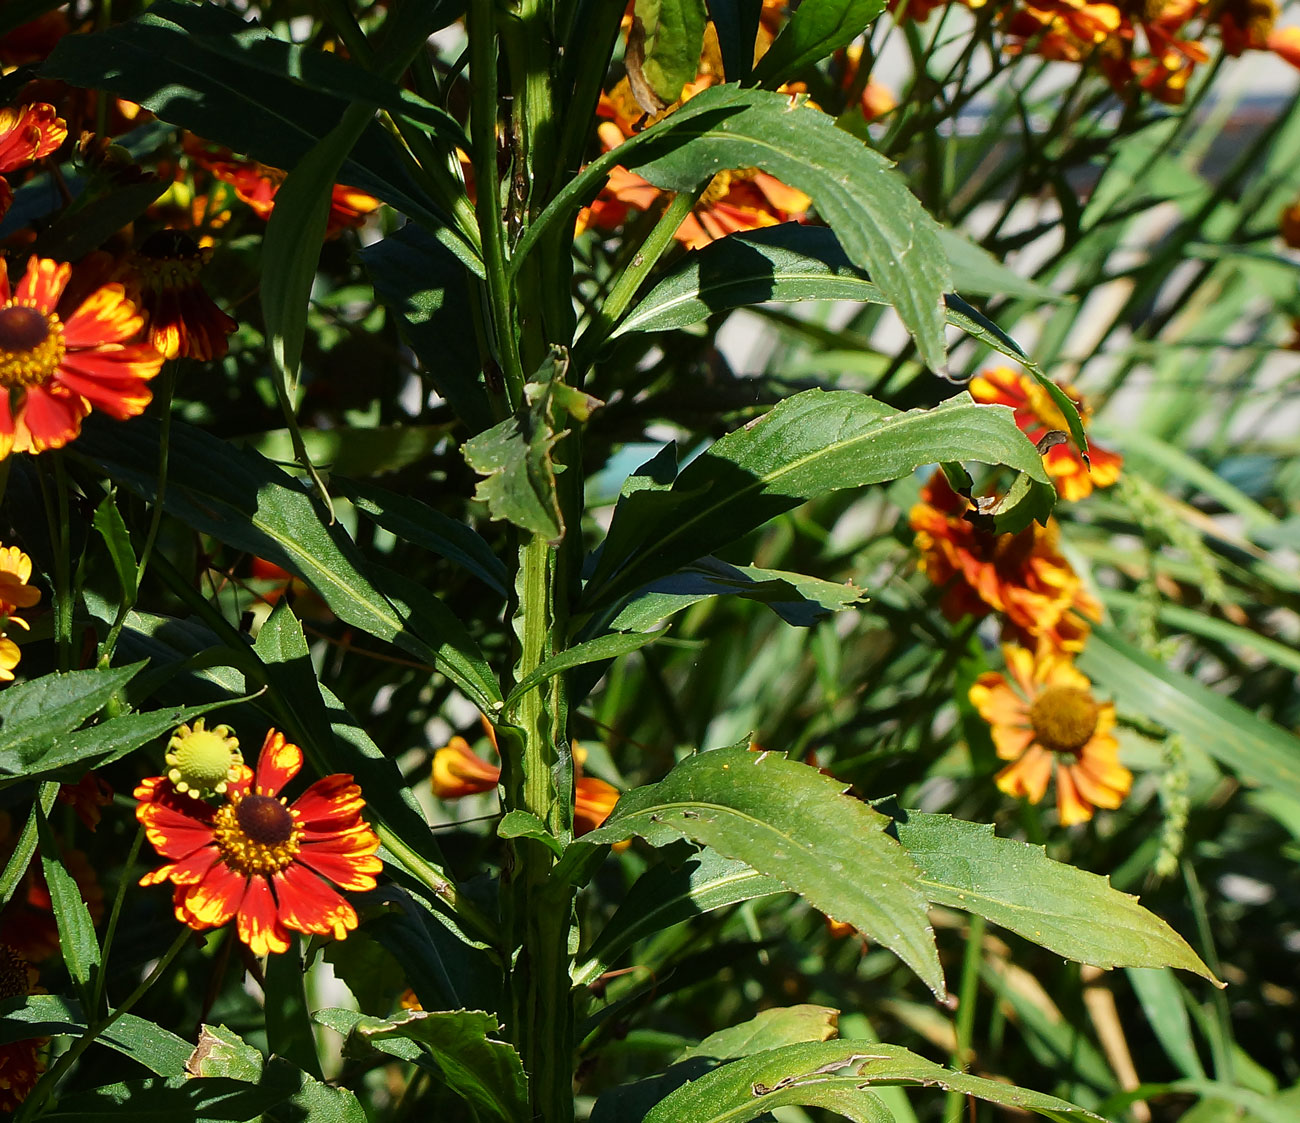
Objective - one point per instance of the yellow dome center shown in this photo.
(1064, 718)
(31, 346)
(203, 761)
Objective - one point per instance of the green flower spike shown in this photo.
(203, 762)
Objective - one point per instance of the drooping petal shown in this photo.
(308, 904)
(1071, 807)
(259, 924)
(278, 763)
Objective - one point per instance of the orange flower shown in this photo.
(15, 593)
(1047, 719)
(183, 320)
(458, 771)
(1022, 576)
(27, 133)
(57, 364)
(274, 582)
(1037, 414)
(20, 1067)
(257, 184)
(1285, 43)
(258, 858)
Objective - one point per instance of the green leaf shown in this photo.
(976, 272)
(1068, 911)
(77, 942)
(25, 847)
(422, 525)
(203, 68)
(786, 263)
(35, 713)
(878, 221)
(109, 523)
(101, 744)
(222, 1052)
(1263, 753)
(790, 822)
(770, 1029)
(795, 597)
(353, 450)
(523, 824)
(1161, 996)
(664, 52)
(242, 499)
(667, 895)
(836, 1075)
(52, 1015)
(813, 443)
(514, 457)
(485, 1073)
(816, 29)
(593, 651)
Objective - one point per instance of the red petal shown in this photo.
(309, 905)
(259, 926)
(105, 316)
(173, 833)
(49, 417)
(213, 901)
(329, 804)
(278, 763)
(43, 284)
(353, 869)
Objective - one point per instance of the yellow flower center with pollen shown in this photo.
(1064, 718)
(257, 835)
(31, 346)
(203, 761)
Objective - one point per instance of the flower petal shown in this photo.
(107, 315)
(330, 804)
(213, 901)
(43, 284)
(343, 861)
(310, 905)
(259, 924)
(277, 764)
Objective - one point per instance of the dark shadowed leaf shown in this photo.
(816, 29)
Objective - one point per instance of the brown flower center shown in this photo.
(257, 835)
(15, 975)
(170, 259)
(31, 346)
(1064, 718)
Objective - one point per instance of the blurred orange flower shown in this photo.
(184, 321)
(20, 1066)
(1037, 414)
(27, 133)
(1046, 718)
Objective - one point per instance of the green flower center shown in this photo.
(1064, 718)
(203, 761)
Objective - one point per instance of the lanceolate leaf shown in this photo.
(790, 822)
(1260, 751)
(77, 942)
(770, 1029)
(879, 222)
(816, 28)
(593, 651)
(785, 263)
(1067, 910)
(52, 1015)
(813, 443)
(35, 713)
(837, 1075)
(736, 23)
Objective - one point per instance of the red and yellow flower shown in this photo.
(184, 321)
(459, 771)
(1037, 414)
(20, 1062)
(1022, 576)
(270, 864)
(60, 358)
(87, 797)
(15, 593)
(1044, 720)
(27, 133)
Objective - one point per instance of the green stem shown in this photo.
(111, 928)
(483, 135)
(57, 515)
(46, 1085)
(441, 886)
(965, 1027)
